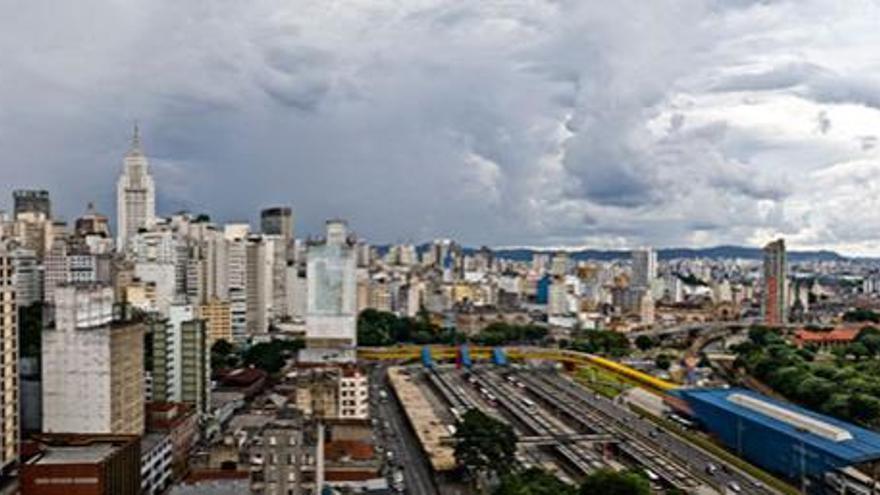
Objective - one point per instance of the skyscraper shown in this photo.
(774, 304)
(31, 201)
(277, 221)
(93, 366)
(331, 311)
(135, 194)
(644, 268)
(9, 399)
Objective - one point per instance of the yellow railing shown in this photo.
(444, 353)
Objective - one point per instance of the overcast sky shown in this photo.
(519, 122)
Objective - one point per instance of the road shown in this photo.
(695, 458)
(399, 438)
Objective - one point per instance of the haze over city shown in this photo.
(539, 123)
(439, 247)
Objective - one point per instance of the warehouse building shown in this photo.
(790, 441)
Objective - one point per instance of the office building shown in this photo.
(236, 277)
(178, 363)
(135, 195)
(92, 223)
(276, 455)
(9, 394)
(31, 201)
(277, 221)
(83, 465)
(93, 366)
(644, 268)
(28, 277)
(260, 259)
(217, 315)
(774, 299)
(331, 311)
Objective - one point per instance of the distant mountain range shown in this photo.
(718, 252)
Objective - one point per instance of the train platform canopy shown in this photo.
(847, 443)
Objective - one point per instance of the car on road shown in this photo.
(734, 487)
(711, 468)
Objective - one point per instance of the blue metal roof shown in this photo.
(864, 445)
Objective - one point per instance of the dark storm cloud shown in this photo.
(527, 122)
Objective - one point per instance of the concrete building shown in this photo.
(28, 277)
(236, 276)
(92, 223)
(275, 454)
(92, 366)
(83, 465)
(217, 315)
(156, 456)
(9, 394)
(333, 393)
(260, 299)
(181, 423)
(644, 268)
(277, 221)
(135, 195)
(179, 361)
(774, 300)
(331, 324)
(31, 201)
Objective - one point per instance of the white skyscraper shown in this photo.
(135, 194)
(331, 313)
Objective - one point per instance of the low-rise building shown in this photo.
(83, 465)
(156, 454)
(181, 423)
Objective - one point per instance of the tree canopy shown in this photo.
(381, 328)
(609, 343)
(533, 481)
(485, 444)
(607, 482)
(848, 388)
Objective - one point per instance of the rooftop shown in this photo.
(833, 436)
(86, 454)
(844, 334)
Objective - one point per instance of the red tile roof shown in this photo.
(843, 334)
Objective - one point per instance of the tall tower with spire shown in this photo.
(135, 194)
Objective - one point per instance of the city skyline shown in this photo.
(534, 123)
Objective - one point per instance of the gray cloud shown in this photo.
(538, 122)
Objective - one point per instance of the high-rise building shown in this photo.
(260, 255)
(28, 277)
(236, 277)
(277, 221)
(92, 223)
(332, 285)
(218, 320)
(179, 359)
(31, 201)
(774, 302)
(9, 397)
(92, 366)
(644, 268)
(135, 194)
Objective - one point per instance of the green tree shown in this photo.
(663, 361)
(484, 444)
(271, 356)
(643, 342)
(861, 315)
(607, 482)
(533, 482)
